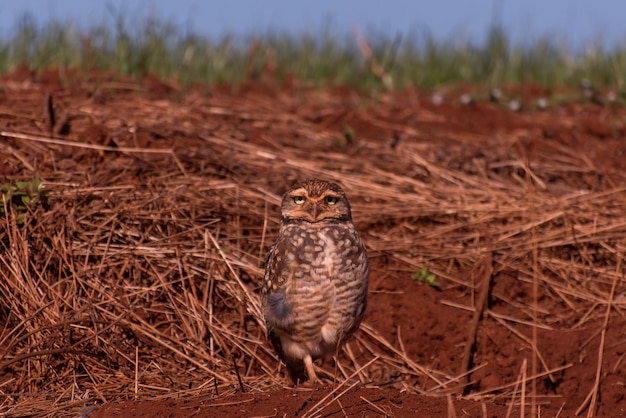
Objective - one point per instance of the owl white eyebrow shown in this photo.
(327, 193)
(299, 192)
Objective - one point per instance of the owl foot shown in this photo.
(310, 369)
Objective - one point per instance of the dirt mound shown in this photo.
(131, 286)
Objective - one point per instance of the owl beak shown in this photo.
(314, 212)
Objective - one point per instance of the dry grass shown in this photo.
(140, 279)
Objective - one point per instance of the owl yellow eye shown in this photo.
(298, 200)
(330, 200)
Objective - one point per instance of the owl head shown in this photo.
(315, 201)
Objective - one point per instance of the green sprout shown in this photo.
(425, 276)
(348, 136)
(21, 197)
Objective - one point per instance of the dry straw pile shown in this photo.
(139, 277)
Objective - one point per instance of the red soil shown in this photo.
(432, 333)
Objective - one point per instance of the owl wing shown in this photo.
(276, 307)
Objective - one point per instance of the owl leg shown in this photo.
(310, 370)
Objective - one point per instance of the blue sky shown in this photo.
(575, 21)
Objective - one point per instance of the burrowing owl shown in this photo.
(316, 275)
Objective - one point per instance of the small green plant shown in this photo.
(21, 196)
(348, 136)
(425, 276)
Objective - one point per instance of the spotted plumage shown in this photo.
(316, 276)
